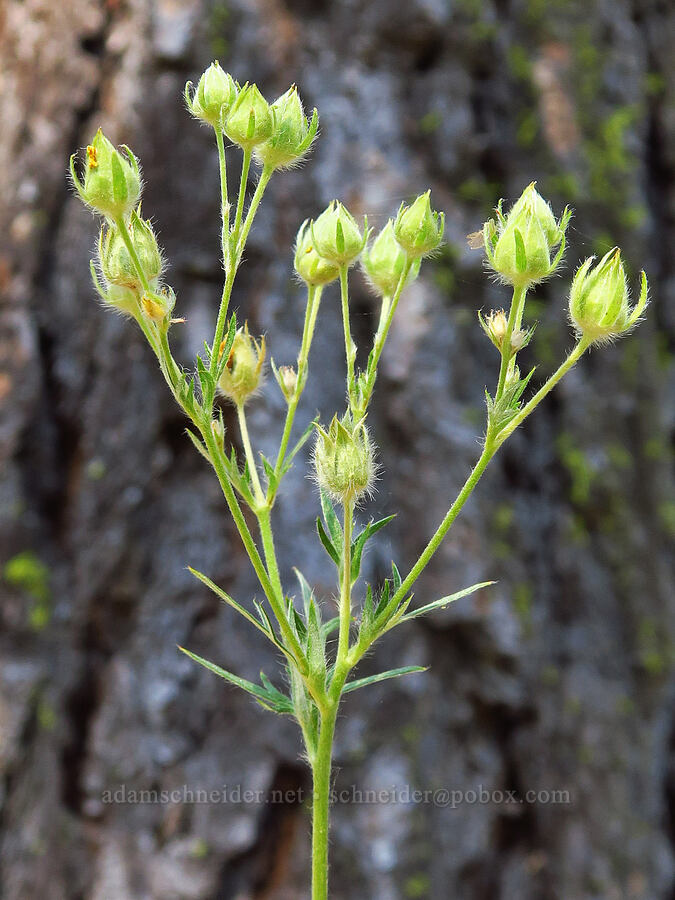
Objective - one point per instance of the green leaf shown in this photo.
(301, 443)
(271, 699)
(396, 577)
(330, 626)
(199, 446)
(360, 542)
(272, 480)
(444, 601)
(332, 522)
(384, 599)
(327, 543)
(229, 340)
(307, 592)
(383, 676)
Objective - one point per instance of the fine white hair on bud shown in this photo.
(336, 237)
(243, 372)
(112, 180)
(344, 460)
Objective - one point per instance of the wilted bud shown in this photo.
(495, 325)
(287, 379)
(250, 120)
(292, 136)
(519, 246)
(600, 301)
(336, 236)
(344, 459)
(158, 306)
(112, 181)
(116, 263)
(242, 375)
(311, 267)
(384, 262)
(214, 95)
(418, 229)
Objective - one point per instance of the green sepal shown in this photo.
(119, 181)
(382, 676)
(521, 256)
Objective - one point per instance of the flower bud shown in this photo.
(214, 95)
(112, 181)
(495, 325)
(122, 299)
(311, 267)
(600, 301)
(519, 246)
(287, 379)
(250, 120)
(158, 306)
(116, 263)
(292, 135)
(344, 459)
(418, 229)
(384, 261)
(336, 236)
(242, 374)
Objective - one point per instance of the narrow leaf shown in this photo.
(383, 676)
(326, 541)
(255, 690)
(332, 521)
(444, 601)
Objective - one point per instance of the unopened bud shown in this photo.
(599, 303)
(418, 229)
(344, 459)
(250, 121)
(214, 95)
(495, 325)
(519, 247)
(112, 181)
(242, 374)
(116, 263)
(292, 136)
(336, 236)
(287, 379)
(311, 267)
(384, 261)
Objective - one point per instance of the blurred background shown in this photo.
(559, 678)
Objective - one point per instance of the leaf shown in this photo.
(360, 542)
(316, 653)
(330, 626)
(444, 601)
(219, 592)
(332, 522)
(383, 676)
(307, 592)
(227, 346)
(198, 444)
(301, 443)
(327, 543)
(271, 699)
(396, 577)
(272, 480)
(384, 599)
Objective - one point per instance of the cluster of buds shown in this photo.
(344, 459)
(278, 134)
(243, 372)
(519, 246)
(599, 305)
(495, 325)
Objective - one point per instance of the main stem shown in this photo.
(321, 770)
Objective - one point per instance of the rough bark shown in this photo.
(558, 678)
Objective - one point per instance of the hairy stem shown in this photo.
(514, 320)
(321, 784)
(250, 456)
(224, 202)
(350, 346)
(236, 228)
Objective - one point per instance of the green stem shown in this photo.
(321, 771)
(250, 457)
(381, 335)
(224, 202)
(342, 659)
(350, 346)
(263, 181)
(245, 168)
(514, 320)
(313, 301)
(572, 359)
(264, 520)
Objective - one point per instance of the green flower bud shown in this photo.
(344, 459)
(287, 379)
(519, 246)
(242, 375)
(212, 98)
(336, 236)
(311, 267)
(418, 229)
(384, 261)
(116, 263)
(112, 182)
(122, 299)
(292, 136)
(250, 120)
(495, 326)
(599, 303)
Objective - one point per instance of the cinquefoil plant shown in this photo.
(523, 247)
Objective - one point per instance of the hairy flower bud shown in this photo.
(384, 261)
(418, 229)
(242, 374)
(311, 267)
(336, 236)
(250, 120)
(112, 181)
(117, 266)
(519, 246)
(287, 379)
(292, 136)
(344, 459)
(599, 302)
(214, 95)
